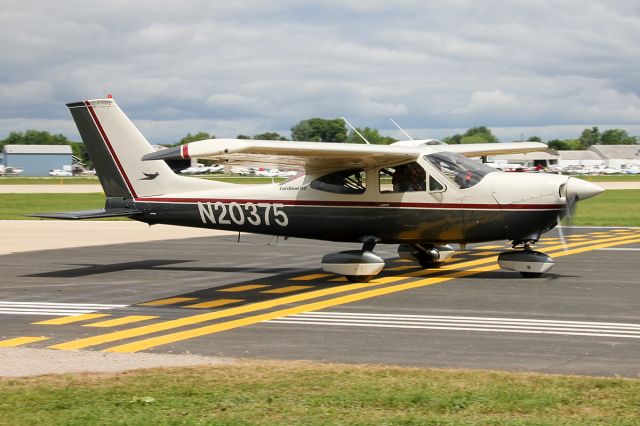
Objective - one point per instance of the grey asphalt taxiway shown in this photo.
(263, 297)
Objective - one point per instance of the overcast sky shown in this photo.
(519, 67)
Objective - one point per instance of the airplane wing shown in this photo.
(312, 156)
(295, 155)
(482, 149)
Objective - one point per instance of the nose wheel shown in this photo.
(427, 255)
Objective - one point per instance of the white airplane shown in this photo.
(422, 195)
(202, 169)
(10, 171)
(60, 173)
(195, 170)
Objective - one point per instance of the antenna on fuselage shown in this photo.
(355, 130)
(401, 129)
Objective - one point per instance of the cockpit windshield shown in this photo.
(460, 170)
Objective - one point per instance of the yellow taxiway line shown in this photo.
(196, 319)
(171, 324)
(215, 328)
(19, 341)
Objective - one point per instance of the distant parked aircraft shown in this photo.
(10, 171)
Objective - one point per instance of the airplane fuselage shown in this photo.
(294, 209)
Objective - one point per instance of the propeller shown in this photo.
(567, 215)
(574, 190)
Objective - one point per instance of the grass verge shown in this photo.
(17, 206)
(611, 208)
(318, 394)
(76, 180)
(610, 178)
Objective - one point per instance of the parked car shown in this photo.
(60, 173)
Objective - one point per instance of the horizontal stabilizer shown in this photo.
(89, 214)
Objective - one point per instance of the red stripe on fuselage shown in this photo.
(359, 204)
(110, 147)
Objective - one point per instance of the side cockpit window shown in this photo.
(434, 185)
(406, 177)
(342, 182)
(458, 169)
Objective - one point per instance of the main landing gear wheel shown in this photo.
(531, 274)
(359, 278)
(530, 263)
(358, 266)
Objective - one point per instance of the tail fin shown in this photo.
(116, 148)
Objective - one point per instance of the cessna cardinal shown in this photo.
(422, 195)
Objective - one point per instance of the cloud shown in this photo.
(493, 101)
(265, 65)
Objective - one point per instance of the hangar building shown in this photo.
(620, 156)
(38, 160)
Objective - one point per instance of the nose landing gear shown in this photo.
(427, 255)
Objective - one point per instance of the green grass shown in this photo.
(76, 180)
(610, 178)
(611, 208)
(277, 393)
(15, 206)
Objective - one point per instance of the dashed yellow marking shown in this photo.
(243, 288)
(338, 280)
(19, 341)
(72, 319)
(489, 247)
(484, 253)
(314, 306)
(401, 261)
(310, 277)
(288, 289)
(120, 321)
(402, 268)
(214, 303)
(181, 322)
(169, 301)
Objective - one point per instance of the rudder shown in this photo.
(116, 148)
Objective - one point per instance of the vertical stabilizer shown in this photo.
(116, 148)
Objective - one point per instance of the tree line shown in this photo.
(593, 136)
(335, 130)
(311, 130)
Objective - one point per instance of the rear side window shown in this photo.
(352, 181)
